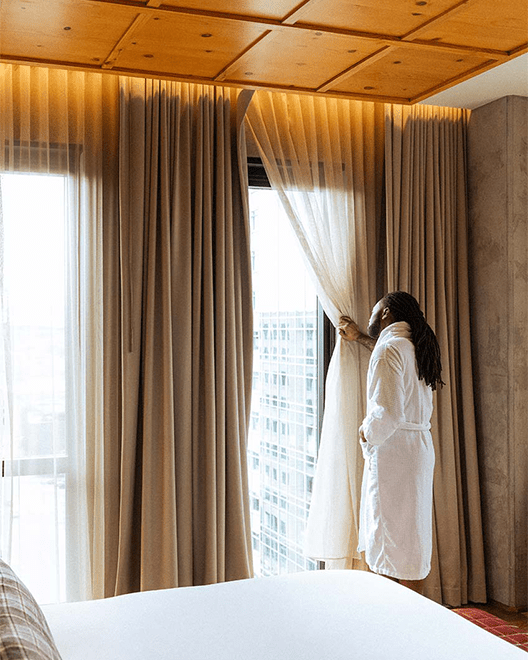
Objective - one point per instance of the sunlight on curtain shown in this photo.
(323, 157)
(50, 371)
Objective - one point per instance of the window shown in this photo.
(287, 390)
(35, 426)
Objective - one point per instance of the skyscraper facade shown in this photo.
(283, 436)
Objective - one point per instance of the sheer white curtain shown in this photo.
(50, 370)
(320, 154)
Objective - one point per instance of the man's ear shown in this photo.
(385, 313)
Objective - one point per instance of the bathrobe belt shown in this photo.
(411, 426)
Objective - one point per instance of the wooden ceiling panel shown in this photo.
(487, 23)
(277, 9)
(326, 47)
(400, 72)
(301, 59)
(187, 45)
(61, 31)
(397, 17)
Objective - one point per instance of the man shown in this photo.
(395, 530)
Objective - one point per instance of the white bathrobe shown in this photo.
(395, 529)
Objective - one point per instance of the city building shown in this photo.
(283, 438)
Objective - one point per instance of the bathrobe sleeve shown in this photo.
(386, 397)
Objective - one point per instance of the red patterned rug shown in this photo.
(494, 625)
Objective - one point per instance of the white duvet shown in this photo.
(334, 615)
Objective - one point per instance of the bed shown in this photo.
(309, 616)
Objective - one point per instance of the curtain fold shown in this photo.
(180, 347)
(325, 159)
(427, 256)
(51, 132)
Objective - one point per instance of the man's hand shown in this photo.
(348, 329)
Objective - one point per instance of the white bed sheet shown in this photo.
(305, 616)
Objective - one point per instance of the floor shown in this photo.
(519, 619)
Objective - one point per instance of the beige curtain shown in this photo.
(325, 159)
(179, 342)
(427, 256)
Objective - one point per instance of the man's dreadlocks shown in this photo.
(405, 307)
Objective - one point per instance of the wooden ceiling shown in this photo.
(400, 51)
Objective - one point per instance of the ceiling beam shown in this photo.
(520, 50)
(348, 73)
(116, 51)
(224, 73)
(454, 48)
(299, 12)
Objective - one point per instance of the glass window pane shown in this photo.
(283, 435)
(33, 443)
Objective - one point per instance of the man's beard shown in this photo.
(374, 329)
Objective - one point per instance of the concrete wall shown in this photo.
(498, 213)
